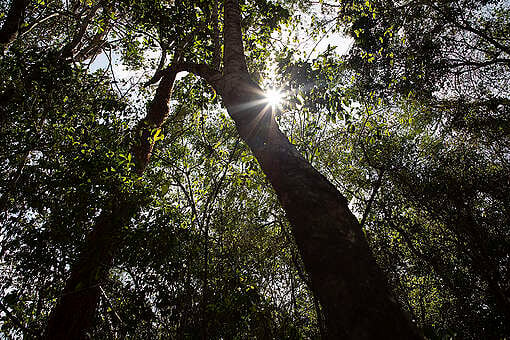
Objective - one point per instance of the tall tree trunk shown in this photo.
(12, 23)
(344, 274)
(74, 313)
(350, 286)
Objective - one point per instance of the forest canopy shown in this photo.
(266, 169)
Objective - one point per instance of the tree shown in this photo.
(353, 282)
(185, 234)
(454, 66)
(436, 74)
(335, 253)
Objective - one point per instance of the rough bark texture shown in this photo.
(345, 277)
(215, 36)
(233, 55)
(158, 113)
(12, 23)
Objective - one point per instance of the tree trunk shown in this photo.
(12, 23)
(74, 313)
(344, 274)
(350, 286)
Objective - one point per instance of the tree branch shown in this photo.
(478, 64)
(467, 27)
(213, 77)
(96, 43)
(17, 322)
(33, 25)
(68, 50)
(156, 116)
(13, 21)
(376, 188)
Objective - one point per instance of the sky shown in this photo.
(310, 47)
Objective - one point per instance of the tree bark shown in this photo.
(74, 313)
(350, 286)
(345, 277)
(12, 23)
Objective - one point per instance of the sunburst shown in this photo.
(274, 98)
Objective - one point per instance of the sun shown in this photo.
(274, 98)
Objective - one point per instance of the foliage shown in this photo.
(411, 124)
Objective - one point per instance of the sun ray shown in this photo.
(274, 98)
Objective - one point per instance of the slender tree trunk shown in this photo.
(349, 284)
(74, 313)
(15, 16)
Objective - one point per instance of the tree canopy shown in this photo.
(151, 189)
